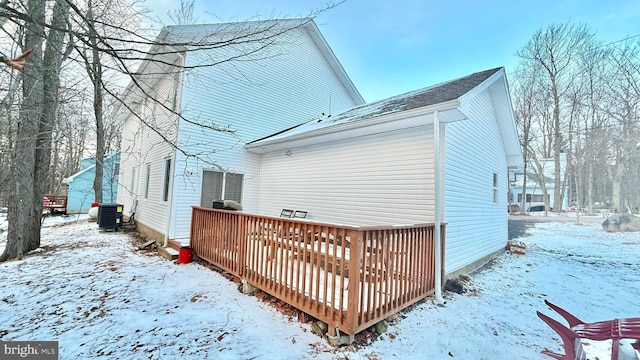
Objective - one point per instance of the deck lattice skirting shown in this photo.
(348, 277)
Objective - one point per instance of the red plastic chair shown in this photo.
(570, 340)
(614, 330)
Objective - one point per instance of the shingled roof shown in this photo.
(432, 95)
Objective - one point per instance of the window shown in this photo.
(533, 198)
(233, 187)
(134, 182)
(495, 187)
(217, 185)
(167, 179)
(211, 187)
(146, 181)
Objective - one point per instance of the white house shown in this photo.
(204, 92)
(377, 164)
(534, 198)
(303, 139)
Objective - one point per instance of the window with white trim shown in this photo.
(167, 179)
(217, 185)
(134, 181)
(495, 187)
(147, 176)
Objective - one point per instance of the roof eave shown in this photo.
(508, 130)
(409, 118)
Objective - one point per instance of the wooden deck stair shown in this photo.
(171, 251)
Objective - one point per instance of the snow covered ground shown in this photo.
(99, 297)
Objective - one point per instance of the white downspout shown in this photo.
(173, 156)
(438, 208)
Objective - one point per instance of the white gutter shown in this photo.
(342, 126)
(438, 209)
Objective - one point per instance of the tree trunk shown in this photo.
(23, 211)
(32, 152)
(53, 56)
(541, 181)
(557, 149)
(615, 176)
(95, 72)
(524, 184)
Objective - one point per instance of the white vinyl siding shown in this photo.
(145, 143)
(255, 99)
(378, 179)
(476, 224)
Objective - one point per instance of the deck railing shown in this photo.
(349, 277)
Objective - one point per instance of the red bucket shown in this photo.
(185, 255)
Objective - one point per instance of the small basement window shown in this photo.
(167, 179)
(495, 187)
(146, 180)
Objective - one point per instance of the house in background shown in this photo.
(170, 163)
(377, 164)
(80, 192)
(534, 199)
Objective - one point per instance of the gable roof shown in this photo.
(220, 35)
(451, 99)
(433, 95)
(548, 171)
(444, 97)
(174, 43)
(89, 168)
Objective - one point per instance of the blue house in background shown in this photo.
(80, 194)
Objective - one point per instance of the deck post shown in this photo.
(364, 294)
(353, 287)
(241, 241)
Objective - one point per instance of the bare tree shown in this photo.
(594, 68)
(49, 34)
(526, 98)
(555, 50)
(32, 150)
(624, 111)
(183, 15)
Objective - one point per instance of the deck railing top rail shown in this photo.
(320, 223)
(348, 276)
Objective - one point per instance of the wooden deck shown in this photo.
(348, 277)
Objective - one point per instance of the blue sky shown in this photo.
(389, 47)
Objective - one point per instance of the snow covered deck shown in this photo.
(349, 277)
